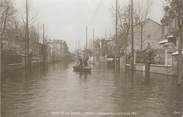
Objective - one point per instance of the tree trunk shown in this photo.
(147, 70)
(180, 41)
(141, 37)
(180, 69)
(0, 59)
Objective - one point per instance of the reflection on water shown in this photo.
(84, 75)
(59, 89)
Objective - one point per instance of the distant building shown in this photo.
(57, 50)
(104, 47)
(14, 46)
(150, 33)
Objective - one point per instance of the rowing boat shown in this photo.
(79, 68)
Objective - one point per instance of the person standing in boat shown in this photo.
(80, 60)
(85, 60)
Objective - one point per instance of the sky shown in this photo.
(67, 19)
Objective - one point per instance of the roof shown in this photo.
(163, 41)
(176, 53)
(149, 19)
(152, 21)
(171, 36)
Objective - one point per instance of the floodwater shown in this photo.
(59, 92)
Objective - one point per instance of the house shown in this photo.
(148, 32)
(171, 37)
(57, 50)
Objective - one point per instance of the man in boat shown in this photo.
(80, 61)
(86, 58)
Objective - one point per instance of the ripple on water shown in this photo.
(60, 89)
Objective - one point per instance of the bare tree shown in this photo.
(142, 10)
(141, 13)
(7, 12)
(123, 26)
(7, 15)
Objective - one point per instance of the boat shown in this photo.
(86, 69)
(79, 68)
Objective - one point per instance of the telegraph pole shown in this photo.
(93, 36)
(93, 45)
(86, 37)
(43, 34)
(180, 42)
(27, 56)
(1, 49)
(44, 46)
(132, 37)
(116, 36)
(0, 56)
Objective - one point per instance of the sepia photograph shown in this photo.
(91, 58)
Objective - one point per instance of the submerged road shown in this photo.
(59, 92)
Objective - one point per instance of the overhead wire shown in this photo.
(96, 11)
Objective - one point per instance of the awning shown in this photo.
(171, 37)
(163, 41)
(176, 53)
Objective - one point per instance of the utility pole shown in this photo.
(44, 46)
(78, 44)
(93, 43)
(43, 34)
(132, 37)
(1, 50)
(86, 37)
(116, 37)
(77, 47)
(0, 56)
(93, 37)
(105, 34)
(27, 56)
(180, 42)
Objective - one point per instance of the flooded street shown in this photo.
(50, 92)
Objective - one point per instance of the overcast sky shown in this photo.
(67, 19)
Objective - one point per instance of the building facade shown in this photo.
(148, 33)
(171, 31)
(57, 50)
